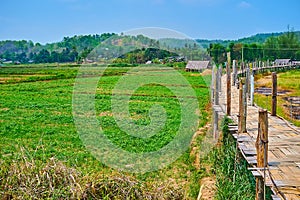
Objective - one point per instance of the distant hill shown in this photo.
(258, 38)
(73, 48)
(111, 45)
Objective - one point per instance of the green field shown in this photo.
(39, 137)
(287, 81)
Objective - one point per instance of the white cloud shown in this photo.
(244, 4)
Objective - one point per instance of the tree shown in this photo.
(55, 56)
(43, 56)
(271, 48)
(218, 53)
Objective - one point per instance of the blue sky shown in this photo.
(50, 20)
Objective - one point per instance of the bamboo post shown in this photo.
(217, 86)
(247, 84)
(220, 75)
(242, 107)
(212, 84)
(244, 119)
(252, 90)
(216, 124)
(241, 112)
(274, 94)
(262, 152)
(234, 72)
(228, 84)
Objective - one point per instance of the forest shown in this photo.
(140, 49)
(285, 46)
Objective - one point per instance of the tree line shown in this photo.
(143, 55)
(77, 48)
(285, 46)
(70, 49)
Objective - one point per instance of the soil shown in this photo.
(208, 188)
(207, 184)
(206, 72)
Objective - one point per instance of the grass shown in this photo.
(289, 81)
(42, 156)
(233, 179)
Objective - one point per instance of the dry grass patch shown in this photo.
(28, 179)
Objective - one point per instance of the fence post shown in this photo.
(216, 124)
(220, 71)
(234, 72)
(240, 116)
(228, 84)
(242, 107)
(262, 152)
(247, 84)
(217, 86)
(244, 118)
(212, 84)
(274, 94)
(252, 90)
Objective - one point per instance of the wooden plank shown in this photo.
(256, 174)
(275, 197)
(249, 152)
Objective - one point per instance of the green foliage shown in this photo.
(218, 53)
(140, 56)
(118, 63)
(67, 50)
(258, 39)
(285, 45)
(234, 180)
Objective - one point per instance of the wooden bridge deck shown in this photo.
(284, 147)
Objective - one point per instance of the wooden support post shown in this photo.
(234, 72)
(213, 77)
(216, 125)
(228, 84)
(252, 90)
(247, 83)
(274, 94)
(220, 71)
(242, 107)
(241, 112)
(217, 86)
(262, 152)
(244, 118)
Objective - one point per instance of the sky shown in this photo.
(48, 21)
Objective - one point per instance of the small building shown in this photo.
(296, 62)
(88, 61)
(8, 62)
(197, 66)
(283, 61)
